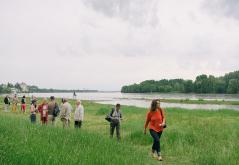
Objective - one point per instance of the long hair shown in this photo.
(154, 105)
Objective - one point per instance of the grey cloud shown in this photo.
(136, 12)
(228, 8)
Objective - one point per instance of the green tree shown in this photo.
(188, 86)
(232, 86)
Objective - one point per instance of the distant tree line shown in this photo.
(229, 83)
(24, 88)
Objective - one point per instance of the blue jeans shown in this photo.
(33, 118)
(156, 136)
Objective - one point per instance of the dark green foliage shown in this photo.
(203, 84)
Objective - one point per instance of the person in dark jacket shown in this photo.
(116, 117)
(6, 104)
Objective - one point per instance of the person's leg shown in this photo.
(68, 123)
(45, 120)
(14, 107)
(118, 131)
(53, 120)
(112, 128)
(80, 123)
(159, 135)
(22, 107)
(5, 107)
(155, 146)
(63, 122)
(76, 124)
(25, 106)
(33, 118)
(50, 118)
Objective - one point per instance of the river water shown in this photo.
(143, 100)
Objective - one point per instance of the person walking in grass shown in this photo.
(79, 114)
(65, 113)
(6, 103)
(116, 117)
(156, 118)
(14, 103)
(33, 111)
(52, 106)
(23, 104)
(43, 109)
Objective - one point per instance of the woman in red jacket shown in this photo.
(43, 109)
(156, 118)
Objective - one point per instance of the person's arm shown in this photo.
(163, 115)
(40, 108)
(146, 122)
(121, 117)
(164, 119)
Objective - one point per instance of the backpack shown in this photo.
(56, 110)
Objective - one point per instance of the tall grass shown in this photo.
(192, 137)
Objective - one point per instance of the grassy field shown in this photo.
(192, 137)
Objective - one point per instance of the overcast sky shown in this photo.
(105, 44)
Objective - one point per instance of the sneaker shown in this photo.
(160, 158)
(154, 155)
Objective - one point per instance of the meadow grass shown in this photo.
(192, 137)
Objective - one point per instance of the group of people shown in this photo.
(50, 110)
(15, 102)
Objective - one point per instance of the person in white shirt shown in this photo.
(79, 114)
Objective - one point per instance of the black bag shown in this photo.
(56, 111)
(108, 118)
